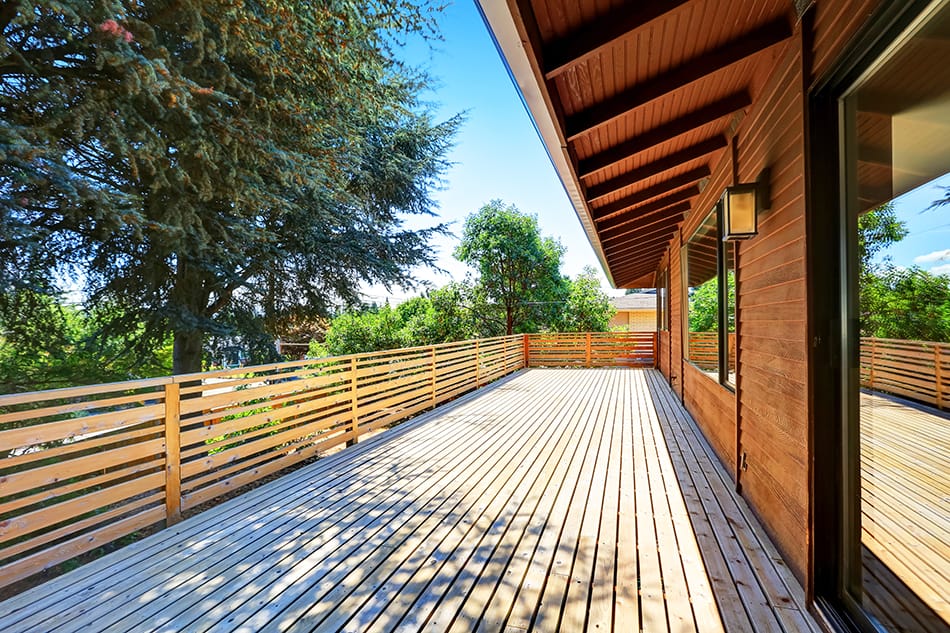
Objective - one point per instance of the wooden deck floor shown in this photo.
(905, 482)
(556, 499)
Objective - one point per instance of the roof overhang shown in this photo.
(511, 45)
(636, 104)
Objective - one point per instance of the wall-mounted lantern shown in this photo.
(741, 206)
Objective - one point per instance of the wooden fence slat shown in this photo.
(911, 369)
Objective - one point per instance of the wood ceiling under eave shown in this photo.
(646, 96)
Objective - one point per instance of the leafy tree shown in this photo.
(196, 161)
(441, 317)
(367, 331)
(588, 308)
(905, 303)
(519, 283)
(45, 344)
(704, 307)
(878, 229)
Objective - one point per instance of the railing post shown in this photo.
(527, 351)
(587, 350)
(434, 377)
(354, 407)
(504, 353)
(871, 370)
(656, 344)
(938, 375)
(478, 374)
(172, 454)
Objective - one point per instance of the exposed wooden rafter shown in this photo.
(703, 65)
(672, 161)
(669, 218)
(643, 251)
(602, 33)
(663, 133)
(654, 191)
(645, 261)
(635, 250)
(676, 204)
(627, 275)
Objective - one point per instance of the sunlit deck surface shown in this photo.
(556, 499)
(906, 512)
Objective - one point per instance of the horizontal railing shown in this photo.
(81, 467)
(591, 349)
(919, 370)
(704, 350)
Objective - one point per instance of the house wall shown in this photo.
(767, 419)
(634, 320)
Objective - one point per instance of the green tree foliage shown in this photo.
(896, 302)
(519, 286)
(905, 303)
(588, 308)
(45, 344)
(440, 317)
(878, 229)
(704, 307)
(206, 164)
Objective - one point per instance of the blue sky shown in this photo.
(927, 244)
(497, 154)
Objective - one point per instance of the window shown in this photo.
(663, 301)
(702, 296)
(729, 311)
(711, 305)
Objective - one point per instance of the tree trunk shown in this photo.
(510, 322)
(186, 355)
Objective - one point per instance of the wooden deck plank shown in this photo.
(652, 605)
(379, 604)
(905, 483)
(509, 565)
(294, 595)
(718, 504)
(699, 592)
(570, 499)
(584, 588)
(676, 592)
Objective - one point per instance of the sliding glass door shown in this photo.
(895, 124)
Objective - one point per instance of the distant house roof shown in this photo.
(640, 301)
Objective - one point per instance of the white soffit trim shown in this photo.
(528, 82)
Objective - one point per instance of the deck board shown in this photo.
(555, 499)
(905, 481)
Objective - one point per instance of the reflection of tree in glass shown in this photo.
(898, 302)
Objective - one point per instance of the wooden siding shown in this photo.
(676, 314)
(772, 335)
(558, 499)
(714, 409)
(835, 24)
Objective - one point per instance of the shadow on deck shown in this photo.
(556, 499)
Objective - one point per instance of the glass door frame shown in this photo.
(834, 375)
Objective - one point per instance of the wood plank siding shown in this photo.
(556, 499)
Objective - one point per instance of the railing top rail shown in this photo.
(14, 399)
(901, 341)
